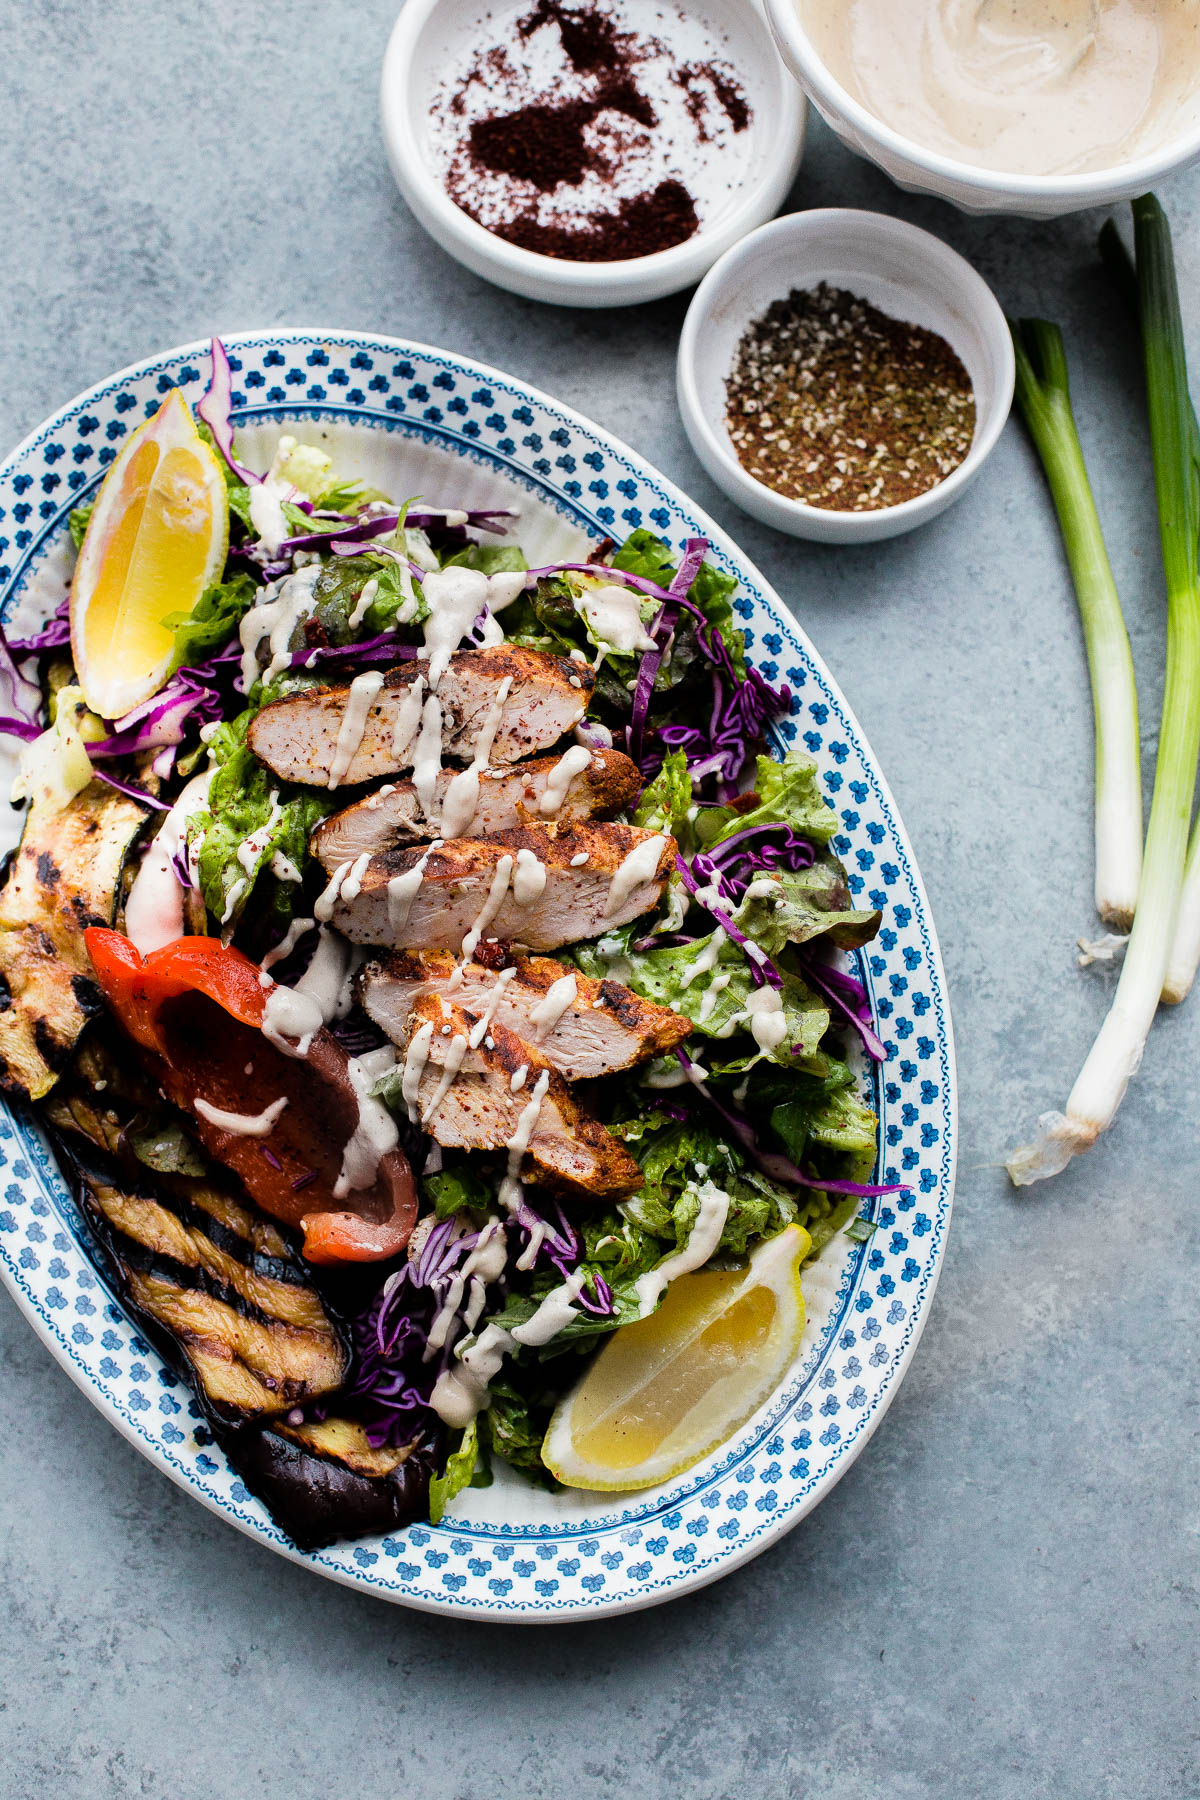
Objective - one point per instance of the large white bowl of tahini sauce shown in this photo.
(1037, 107)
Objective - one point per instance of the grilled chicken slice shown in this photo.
(314, 737)
(584, 1028)
(465, 1098)
(538, 886)
(606, 783)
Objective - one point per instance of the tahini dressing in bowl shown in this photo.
(1025, 87)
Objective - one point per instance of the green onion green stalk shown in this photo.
(1044, 399)
(1117, 1051)
(1185, 950)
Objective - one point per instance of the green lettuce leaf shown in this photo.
(516, 1422)
(788, 793)
(714, 998)
(805, 904)
(349, 497)
(78, 520)
(712, 591)
(489, 559)
(243, 798)
(336, 594)
(212, 621)
(454, 1190)
(667, 800)
(457, 1474)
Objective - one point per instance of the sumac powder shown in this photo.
(834, 403)
(578, 137)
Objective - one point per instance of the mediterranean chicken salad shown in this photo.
(425, 968)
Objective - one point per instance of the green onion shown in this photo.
(1044, 400)
(1185, 949)
(1117, 1051)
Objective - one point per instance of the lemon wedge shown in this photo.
(667, 1389)
(157, 538)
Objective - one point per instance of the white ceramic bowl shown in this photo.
(903, 271)
(973, 189)
(431, 36)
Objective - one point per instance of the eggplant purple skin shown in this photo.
(314, 1500)
(317, 1501)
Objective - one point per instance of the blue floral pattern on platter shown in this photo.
(625, 1550)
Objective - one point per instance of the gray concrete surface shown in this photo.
(999, 1601)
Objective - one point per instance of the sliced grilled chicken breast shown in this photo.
(537, 886)
(584, 1028)
(499, 1092)
(606, 783)
(359, 731)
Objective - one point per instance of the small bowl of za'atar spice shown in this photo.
(844, 376)
(589, 152)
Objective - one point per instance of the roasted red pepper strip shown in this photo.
(136, 986)
(196, 1007)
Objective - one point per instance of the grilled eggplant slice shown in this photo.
(64, 877)
(322, 1481)
(255, 1342)
(211, 1280)
(222, 1292)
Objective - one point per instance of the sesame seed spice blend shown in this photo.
(834, 403)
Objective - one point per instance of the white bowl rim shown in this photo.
(1092, 185)
(694, 252)
(985, 305)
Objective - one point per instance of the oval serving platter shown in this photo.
(416, 420)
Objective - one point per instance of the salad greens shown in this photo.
(761, 1108)
(251, 839)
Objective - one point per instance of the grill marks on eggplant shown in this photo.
(318, 1484)
(256, 1345)
(218, 1287)
(196, 1263)
(192, 1254)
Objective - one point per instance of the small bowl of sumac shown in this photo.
(589, 152)
(843, 375)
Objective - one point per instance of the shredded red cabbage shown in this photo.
(55, 634)
(134, 793)
(11, 726)
(392, 1381)
(367, 525)
(382, 649)
(849, 997)
(735, 860)
(662, 631)
(189, 697)
(213, 408)
(20, 697)
(773, 1163)
(761, 966)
